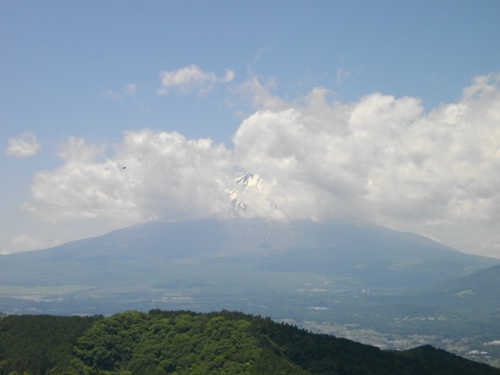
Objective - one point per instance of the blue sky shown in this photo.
(377, 111)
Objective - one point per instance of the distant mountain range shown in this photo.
(371, 283)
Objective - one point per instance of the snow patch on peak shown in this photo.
(248, 179)
(247, 198)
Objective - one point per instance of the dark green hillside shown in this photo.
(182, 342)
(38, 343)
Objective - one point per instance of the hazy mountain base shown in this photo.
(162, 342)
(348, 276)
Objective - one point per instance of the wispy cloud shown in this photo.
(381, 159)
(22, 146)
(259, 95)
(342, 75)
(127, 90)
(191, 79)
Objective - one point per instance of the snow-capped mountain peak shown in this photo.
(248, 179)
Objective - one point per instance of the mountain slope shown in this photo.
(372, 256)
(377, 256)
(473, 297)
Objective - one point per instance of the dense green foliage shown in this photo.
(183, 342)
(40, 344)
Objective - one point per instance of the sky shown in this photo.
(114, 113)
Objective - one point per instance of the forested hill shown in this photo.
(180, 342)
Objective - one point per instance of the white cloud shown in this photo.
(152, 175)
(381, 159)
(384, 155)
(191, 78)
(23, 146)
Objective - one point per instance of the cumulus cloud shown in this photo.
(380, 159)
(23, 146)
(153, 175)
(191, 78)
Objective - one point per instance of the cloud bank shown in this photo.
(381, 159)
(23, 146)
